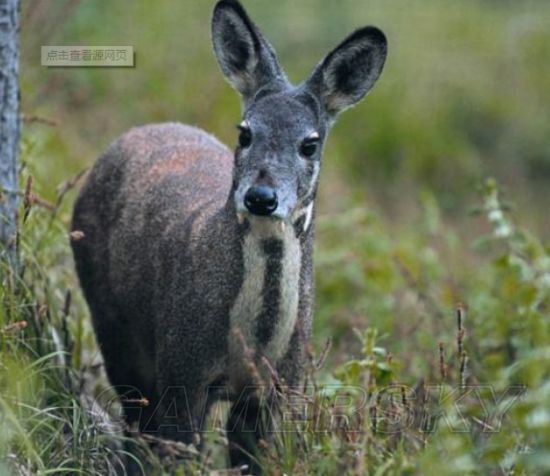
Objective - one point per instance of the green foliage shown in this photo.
(480, 400)
(500, 355)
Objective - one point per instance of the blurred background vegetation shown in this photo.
(464, 93)
(408, 225)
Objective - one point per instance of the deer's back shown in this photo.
(144, 210)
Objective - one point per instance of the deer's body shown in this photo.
(156, 209)
(197, 263)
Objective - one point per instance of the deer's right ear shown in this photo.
(246, 58)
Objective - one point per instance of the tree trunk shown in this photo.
(9, 126)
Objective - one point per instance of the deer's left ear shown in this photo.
(349, 72)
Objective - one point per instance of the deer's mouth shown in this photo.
(277, 225)
(264, 226)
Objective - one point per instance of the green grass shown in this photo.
(409, 230)
(388, 304)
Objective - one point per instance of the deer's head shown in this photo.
(284, 127)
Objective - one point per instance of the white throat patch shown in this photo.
(249, 304)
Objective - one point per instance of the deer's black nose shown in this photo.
(261, 201)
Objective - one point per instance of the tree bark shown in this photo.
(9, 126)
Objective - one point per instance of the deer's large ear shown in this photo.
(349, 71)
(245, 56)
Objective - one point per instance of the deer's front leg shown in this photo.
(249, 423)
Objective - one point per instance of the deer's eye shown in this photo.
(245, 135)
(309, 146)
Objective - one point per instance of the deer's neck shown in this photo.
(265, 312)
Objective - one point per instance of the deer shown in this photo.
(196, 262)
